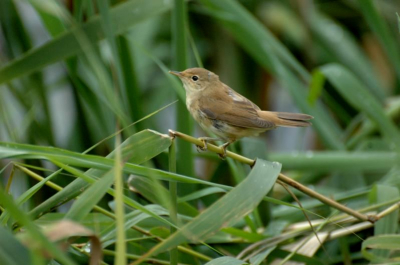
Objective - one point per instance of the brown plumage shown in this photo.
(231, 116)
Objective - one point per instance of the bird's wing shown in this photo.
(234, 109)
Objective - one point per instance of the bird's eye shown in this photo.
(195, 78)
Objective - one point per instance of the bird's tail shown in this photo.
(287, 119)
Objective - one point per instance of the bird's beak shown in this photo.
(179, 74)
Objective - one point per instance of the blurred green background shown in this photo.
(72, 73)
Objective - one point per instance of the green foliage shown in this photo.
(86, 102)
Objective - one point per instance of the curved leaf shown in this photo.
(138, 148)
(389, 242)
(228, 210)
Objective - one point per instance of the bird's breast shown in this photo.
(219, 127)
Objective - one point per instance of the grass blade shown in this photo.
(90, 197)
(360, 98)
(226, 261)
(66, 45)
(184, 121)
(381, 30)
(12, 252)
(348, 53)
(388, 224)
(155, 192)
(120, 258)
(232, 207)
(387, 242)
(173, 211)
(29, 193)
(32, 229)
(339, 161)
(136, 149)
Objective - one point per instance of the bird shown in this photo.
(223, 111)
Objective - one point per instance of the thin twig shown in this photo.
(308, 220)
(281, 177)
(112, 215)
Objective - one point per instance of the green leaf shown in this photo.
(123, 16)
(388, 224)
(12, 252)
(12, 150)
(27, 194)
(90, 197)
(13, 29)
(316, 86)
(94, 221)
(108, 235)
(226, 261)
(23, 219)
(173, 81)
(398, 21)
(329, 34)
(228, 210)
(360, 98)
(137, 149)
(382, 31)
(64, 158)
(338, 161)
(232, 15)
(51, 20)
(155, 192)
(201, 193)
(392, 110)
(143, 146)
(130, 202)
(119, 199)
(387, 242)
(180, 62)
(256, 260)
(248, 236)
(133, 90)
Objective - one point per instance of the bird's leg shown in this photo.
(205, 140)
(224, 146)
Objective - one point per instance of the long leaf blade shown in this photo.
(65, 45)
(232, 207)
(360, 98)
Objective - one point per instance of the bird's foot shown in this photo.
(222, 156)
(224, 147)
(205, 140)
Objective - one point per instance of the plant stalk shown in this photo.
(281, 177)
(173, 209)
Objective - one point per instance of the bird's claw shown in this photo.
(223, 147)
(223, 156)
(202, 148)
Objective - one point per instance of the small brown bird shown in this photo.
(226, 113)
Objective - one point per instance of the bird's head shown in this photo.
(197, 79)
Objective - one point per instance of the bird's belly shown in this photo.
(220, 128)
(227, 132)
